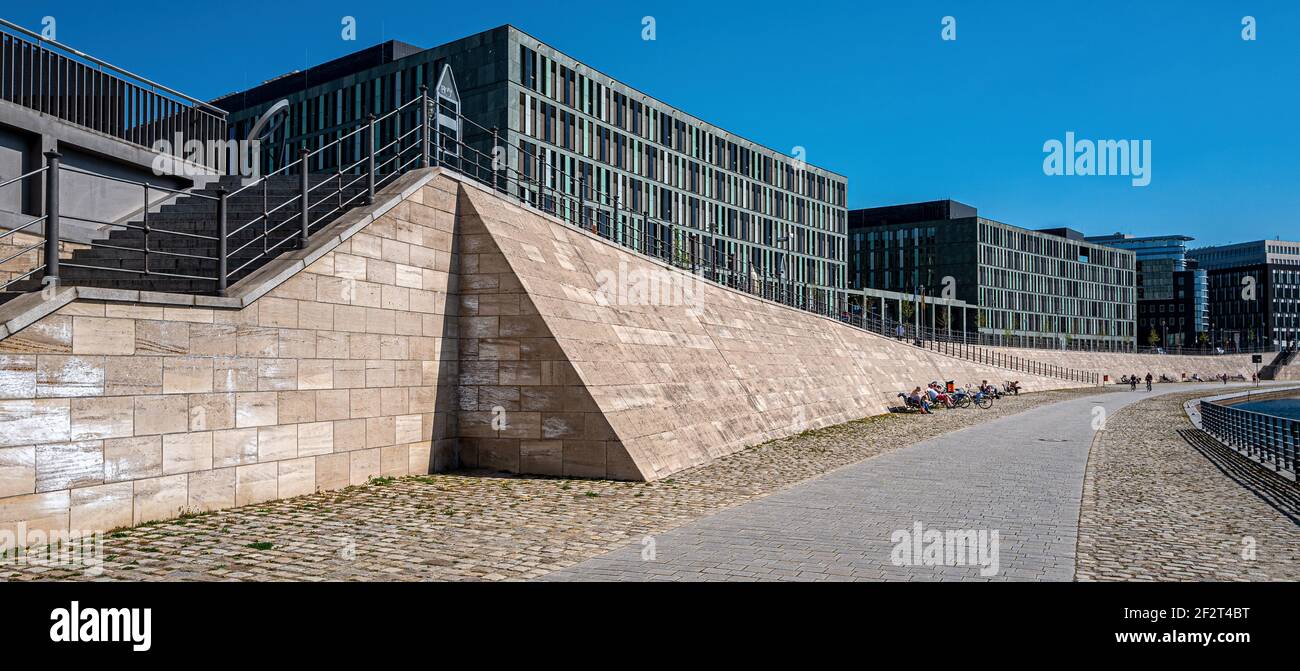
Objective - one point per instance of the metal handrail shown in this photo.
(123, 180)
(1271, 439)
(787, 295)
(22, 177)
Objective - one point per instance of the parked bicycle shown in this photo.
(963, 398)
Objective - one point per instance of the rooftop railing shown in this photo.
(55, 79)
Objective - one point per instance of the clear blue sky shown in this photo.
(868, 88)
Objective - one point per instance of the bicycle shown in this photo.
(962, 398)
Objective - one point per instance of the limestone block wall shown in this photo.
(1117, 365)
(456, 329)
(523, 407)
(113, 414)
(661, 370)
(14, 244)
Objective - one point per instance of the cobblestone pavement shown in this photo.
(1157, 508)
(1020, 476)
(472, 526)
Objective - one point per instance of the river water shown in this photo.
(1278, 407)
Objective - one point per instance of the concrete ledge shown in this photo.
(26, 310)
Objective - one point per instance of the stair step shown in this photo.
(196, 216)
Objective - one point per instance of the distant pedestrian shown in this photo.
(900, 332)
(1149, 378)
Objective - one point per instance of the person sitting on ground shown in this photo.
(937, 396)
(988, 389)
(1014, 387)
(918, 399)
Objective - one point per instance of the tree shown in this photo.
(1153, 337)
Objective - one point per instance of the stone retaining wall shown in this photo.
(115, 414)
(1117, 365)
(456, 328)
(616, 365)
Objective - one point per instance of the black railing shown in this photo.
(374, 168)
(55, 79)
(35, 228)
(1270, 439)
(548, 188)
(286, 220)
(1208, 350)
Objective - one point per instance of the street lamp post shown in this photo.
(918, 299)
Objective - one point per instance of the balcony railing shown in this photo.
(55, 79)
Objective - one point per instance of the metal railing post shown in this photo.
(496, 142)
(370, 160)
(223, 252)
(51, 218)
(582, 199)
(427, 121)
(305, 217)
(145, 224)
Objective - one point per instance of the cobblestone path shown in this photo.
(1021, 476)
(487, 526)
(1158, 506)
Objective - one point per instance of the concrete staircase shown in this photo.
(1282, 367)
(105, 263)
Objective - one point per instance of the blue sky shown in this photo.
(868, 88)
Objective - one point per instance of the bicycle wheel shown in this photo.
(984, 402)
(963, 402)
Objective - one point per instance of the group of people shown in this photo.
(936, 394)
(1133, 382)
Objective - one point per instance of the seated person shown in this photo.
(1014, 387)
(937, 396)
(918, 399)
(988, 389)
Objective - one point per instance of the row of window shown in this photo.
(560, 83)
(541, 121)
(994, 320)
(739, 233)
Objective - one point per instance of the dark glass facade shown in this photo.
(1031, 287)
(1254, 290)
(1172, 292)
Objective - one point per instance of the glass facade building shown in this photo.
(683, 183)
(1031, 287)
(1172, 291)
(1254, 293)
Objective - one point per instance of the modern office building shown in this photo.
(1254, 292)
(691, 189)
(1036, 288)
(1172, 291)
